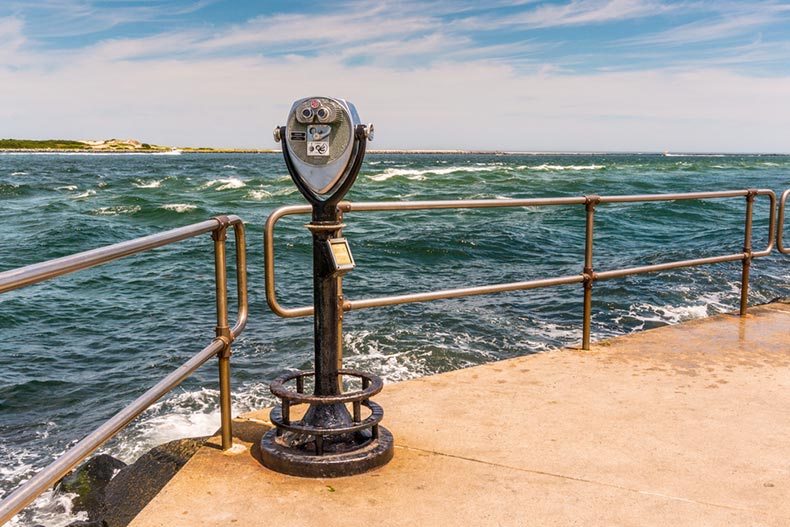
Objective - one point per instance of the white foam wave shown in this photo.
(185, 414)
(419, 174)
(391, 364)
(232, 183)
(488, 196)
(179, 207)
(770, 164)
(287, 191)
(115, 211)
(18, 464)
(50, 509)
(258, 194)
(558, 168)
(706, 304)
(152, 183)
(564, 335)
(666, 314)
(88, 193)
(18, 173)
(670, 154)
(229, 166)
(67, 187)
(224, 184)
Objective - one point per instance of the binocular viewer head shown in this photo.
(321, 140)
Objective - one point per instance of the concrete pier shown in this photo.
(683, 425)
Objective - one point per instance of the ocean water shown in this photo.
(78, 348)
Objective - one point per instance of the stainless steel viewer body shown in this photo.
(324, 145)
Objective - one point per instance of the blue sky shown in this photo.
(630, 75)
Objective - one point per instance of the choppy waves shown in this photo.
(139, 319)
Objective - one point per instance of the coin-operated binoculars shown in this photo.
(324, 145)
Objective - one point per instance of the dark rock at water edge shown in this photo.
(89, 481)
(115, 501)
(136, 485)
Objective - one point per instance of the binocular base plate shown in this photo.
(277, 456)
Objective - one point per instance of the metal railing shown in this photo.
(220, 346)
(588, 276)
(781, 222)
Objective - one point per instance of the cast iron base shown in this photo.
(280, 457)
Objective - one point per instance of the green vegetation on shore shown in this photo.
(108, 145)
(101, 145)
(48, 144)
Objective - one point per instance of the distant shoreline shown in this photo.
(176, 151)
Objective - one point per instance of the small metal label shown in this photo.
(298, 136)
(318, 148)
(340, 255)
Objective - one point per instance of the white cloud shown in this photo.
(230, 86)
(287, 34)
(580, 12)
(236, 102)
(11, 37)
(319, 31)
(721, 20)
(68, 18)
(574, 13)
(706, 30)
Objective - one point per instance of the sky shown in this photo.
(567, 75)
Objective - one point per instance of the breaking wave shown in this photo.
(559, 168)
(179, 207)
(419, 174)
(224, 184)
(115, 211)
(153, 183)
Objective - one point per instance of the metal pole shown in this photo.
(241, 280)
(747, 250)
(223, 330)
(781, 220)
(327, 320)
(589, 274)
(226, 418)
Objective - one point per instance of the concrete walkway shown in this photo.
(682, 425)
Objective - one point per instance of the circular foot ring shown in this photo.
(280, 458)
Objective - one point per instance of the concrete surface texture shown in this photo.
(683, 425)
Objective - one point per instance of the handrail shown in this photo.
(781, 222)
(220, 346)
(587, 277)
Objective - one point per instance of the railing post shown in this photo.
(589, 275)
(747, 249)
(223, 330)
(780, 220)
